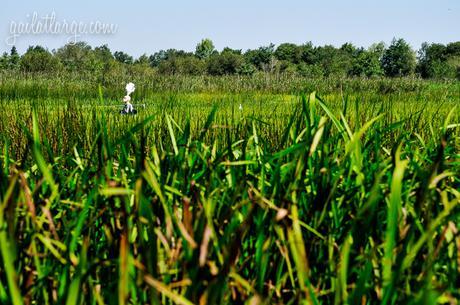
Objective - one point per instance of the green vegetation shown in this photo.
(349, 196)
(434, 61)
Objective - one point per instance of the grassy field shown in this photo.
(350, 195)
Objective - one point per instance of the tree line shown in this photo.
(432, 60)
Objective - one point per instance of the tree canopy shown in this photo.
(432, 60)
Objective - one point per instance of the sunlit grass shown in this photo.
(348, 199)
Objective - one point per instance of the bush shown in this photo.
(225, 63)
(38, 59)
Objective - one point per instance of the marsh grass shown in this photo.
(298, 199)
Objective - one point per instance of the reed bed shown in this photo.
(338, 198)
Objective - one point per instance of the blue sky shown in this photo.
(148, 26)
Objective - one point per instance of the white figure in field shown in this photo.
(128, 106)
(129, 109)
(241, 107)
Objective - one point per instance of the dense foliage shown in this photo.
(398, 59)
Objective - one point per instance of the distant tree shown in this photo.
(123, 58)
(286, 67)
(205, 49)
(444, 70)
(182, 64)
(161, 56)
(14, 51)
(347, 53)
(307, 53)
(191, 65)
(333, 61)
(157, 58)
(10, 61)
(14, 58)
(453, 49)
(349, 49)
(288, 52)
(454, 63)
(232, 51)
(4, 61)
(432, 60)
(141, 67)
(378, 49)
(228, 62)
(38, 59)
(103, 53)
(104, 59)
(366, 63)
(170, 66)
(399, 59)
(262, 58)
(247, 69)
(310, 71)
(453, 53)
(142, 60)
(78, 57)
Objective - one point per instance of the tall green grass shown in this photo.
(85, 86)
(346, 199)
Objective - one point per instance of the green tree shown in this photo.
(204, 49)
(157, 58)
(333, 61)
(262, 58)
(453, 49)
(103, 54)
(247, 69)
(366, 63)
(432, 60)
(233, 51)
(307, 53)
(38, 59)
(191, 65)
(141, 67)
(182, 63)
(288, 52)
(378, 49)
(162, 55)
(454, 62)
(349, 49)
(310, 71)
(453, 54)
(142, 60)
(399, 59)
(14, 59)
(123, 57)
(104, 61)
(4, 61)
(78, 57)
(286, 67)
(228, 62)
(10, 61)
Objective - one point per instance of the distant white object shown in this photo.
(130, 88)
(129, 107)
(241, 107)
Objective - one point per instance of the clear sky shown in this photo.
(148, 26)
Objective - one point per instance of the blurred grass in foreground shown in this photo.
(332, 201)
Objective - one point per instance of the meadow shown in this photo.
(315, 192)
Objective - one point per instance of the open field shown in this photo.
(347, 196)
